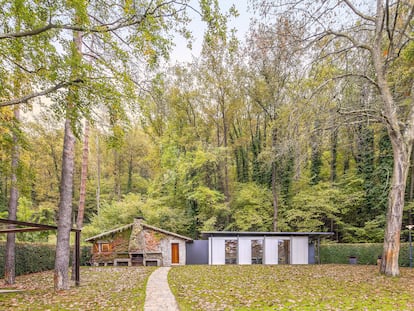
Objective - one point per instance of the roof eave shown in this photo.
(246, 233)
(101, 235)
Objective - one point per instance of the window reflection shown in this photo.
(284, 252)
(231, 252)
(257, 251)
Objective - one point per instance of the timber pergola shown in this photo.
(30, 227)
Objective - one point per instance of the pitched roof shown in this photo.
(126, 227)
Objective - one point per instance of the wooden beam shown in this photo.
(27, 224)
(31, 224)
(18, 230)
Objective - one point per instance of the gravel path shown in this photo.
(158, 293)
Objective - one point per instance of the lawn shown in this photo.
(309, 287)
(102, 288)
(255, 287)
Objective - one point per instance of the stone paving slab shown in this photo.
(158, 294)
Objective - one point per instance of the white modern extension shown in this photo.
(269, 248)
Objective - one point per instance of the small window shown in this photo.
(104, 247)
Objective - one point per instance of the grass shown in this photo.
(102, 288)
(310, 287)
(255, 287)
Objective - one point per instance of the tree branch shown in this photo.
(27, 33)
(26, 98)
(349, 38)
(359, 13)
(342, 77)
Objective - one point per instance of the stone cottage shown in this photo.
(138, 244)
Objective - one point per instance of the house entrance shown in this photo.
(175, 253)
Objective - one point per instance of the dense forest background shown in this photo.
(253, 135)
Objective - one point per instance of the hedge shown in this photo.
(366, 253)
(36, 257)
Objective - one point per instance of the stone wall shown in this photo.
(154, 245)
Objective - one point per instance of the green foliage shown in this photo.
(316, 164)
(193, 149)
(314, 208)
(35, 257)
(119, 213)
(115, 214)
(366, 253)
(372, 231)
(251, 208)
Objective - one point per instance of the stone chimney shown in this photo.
(139, 220)
(136, 239)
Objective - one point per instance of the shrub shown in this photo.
(366, 253)
(36, 257)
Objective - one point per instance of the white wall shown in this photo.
(270, 250)
(216, 251)
(245, 251)
(299, 250)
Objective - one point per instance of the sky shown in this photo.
(241, 23)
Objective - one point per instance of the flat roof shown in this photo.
(246, 233)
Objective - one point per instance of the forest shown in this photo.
(304, 125)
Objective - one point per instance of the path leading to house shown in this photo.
(158, 294)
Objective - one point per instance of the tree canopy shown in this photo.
(304, 125)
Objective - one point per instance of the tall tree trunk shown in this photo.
(411, 192)
(82, 192)
(130, 173)
(389, 264)
(334, 155)
(84, 177)
(98, 169)
(274, 181)
(61, 275)
(402, 141)
(225, 162)
(10, 256)
(117, 175)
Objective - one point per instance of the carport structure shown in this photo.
(10, 227)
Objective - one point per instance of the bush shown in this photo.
(366, 253)
(36, 257)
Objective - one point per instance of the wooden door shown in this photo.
(175, 253)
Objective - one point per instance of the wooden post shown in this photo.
(77, 257)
